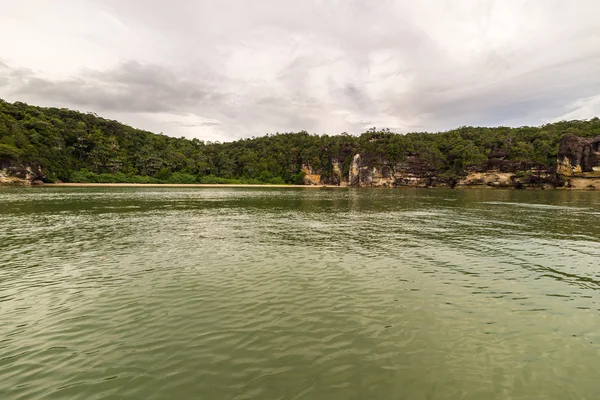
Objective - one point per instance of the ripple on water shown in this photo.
(292, 294)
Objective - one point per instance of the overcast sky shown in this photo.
(222, 70)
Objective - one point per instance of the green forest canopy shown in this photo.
(82, 147)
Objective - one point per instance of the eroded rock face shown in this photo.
(337, 177)
(578, 167)
(487, 178)
(578, 155)
(13, 181)
(531, 178)
(411, 172)
(14, 173)
(310, 177)
(416, 172)
(583, 183)
(354, 173)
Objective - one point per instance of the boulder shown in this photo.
(578, 155)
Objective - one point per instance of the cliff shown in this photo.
(578, 155)
(52, 144)
(75, 147)
(413, 172)
(20, 174)
(418, 173)
(577, 167)
(578, 162)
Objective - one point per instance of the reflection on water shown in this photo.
(299, 294)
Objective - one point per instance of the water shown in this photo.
(122, 293)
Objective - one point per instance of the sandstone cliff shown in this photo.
(416, 172)
(577, 167)
(578, 162)
(17, 173)
(412, 172)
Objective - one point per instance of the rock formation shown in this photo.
(15, 173)
(578, 155)
(354, 173)
(578, 162)
(310, 177)
(416, 172)
(577, 167)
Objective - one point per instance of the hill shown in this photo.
(70, 146)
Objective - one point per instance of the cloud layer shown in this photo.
(220, 70)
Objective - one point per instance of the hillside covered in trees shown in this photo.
(77, 147)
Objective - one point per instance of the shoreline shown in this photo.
(289, 186)
(22, 183)
(180, 185)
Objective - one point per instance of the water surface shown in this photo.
(253, 293)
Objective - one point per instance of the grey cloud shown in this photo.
(10, 75)
(131, 87)
(238, 68)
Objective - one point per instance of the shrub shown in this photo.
(8, 151)
(179, 177)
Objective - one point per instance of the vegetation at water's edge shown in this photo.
(86, 176)
(79, 147)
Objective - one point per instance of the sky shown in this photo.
(220, 70)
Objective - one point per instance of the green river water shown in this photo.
(260, 293)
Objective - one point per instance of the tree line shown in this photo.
(82, 147)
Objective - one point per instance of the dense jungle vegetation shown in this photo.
(81, 147)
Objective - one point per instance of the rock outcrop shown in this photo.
(577, 155)
(532, 178)
(416, 172)
(337, 174)
(354, 172)
(487, 179)
(577, 167)
(310, 176)
(15, 173)
(411, 172)
(578, 162)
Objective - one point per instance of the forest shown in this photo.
(72, 146)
